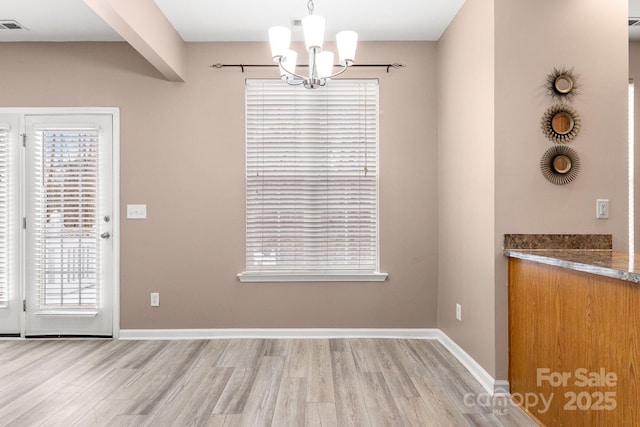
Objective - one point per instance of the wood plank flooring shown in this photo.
(244, 382)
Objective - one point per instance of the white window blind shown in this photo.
(66, 198)
(312, 177)
(4, 216)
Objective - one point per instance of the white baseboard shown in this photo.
(490, 384)
(176, 334)
(501, 387)
(479, 373)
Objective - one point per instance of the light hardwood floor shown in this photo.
(247, 382)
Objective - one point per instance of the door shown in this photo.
(10, 221)
(69, 283)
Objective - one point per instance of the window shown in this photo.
(66, 197)
(631, 176)
(312, 182)
(9, 221)
(4, 217)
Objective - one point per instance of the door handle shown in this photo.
(105, 235)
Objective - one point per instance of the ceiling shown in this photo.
(244, 20)
(239, 20)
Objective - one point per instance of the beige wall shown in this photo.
(466, 180)
(500, 188)
(182, 153)
(591, 36)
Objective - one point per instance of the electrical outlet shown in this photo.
(602, 208)
(136, 211)
(458, 312)
(155, 299)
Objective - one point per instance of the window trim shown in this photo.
(329, 276)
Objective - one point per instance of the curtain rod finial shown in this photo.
(394, 65)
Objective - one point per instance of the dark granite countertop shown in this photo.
(590, 253)
(618, 265)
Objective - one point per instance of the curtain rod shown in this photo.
(243, 66)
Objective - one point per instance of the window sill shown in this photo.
(345, 276)
(66, 313)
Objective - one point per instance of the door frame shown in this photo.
(114, 112)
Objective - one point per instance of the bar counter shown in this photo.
(608, 263)
(574, 312)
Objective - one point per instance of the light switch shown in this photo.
(155, 299)
(136, 211)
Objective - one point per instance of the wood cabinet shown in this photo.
(574, 345)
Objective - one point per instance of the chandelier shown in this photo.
(320, 61)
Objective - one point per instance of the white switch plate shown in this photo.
(136, 211)
(155, 299)
(459, 312)
(602, 208)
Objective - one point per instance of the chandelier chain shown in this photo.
(310, 7)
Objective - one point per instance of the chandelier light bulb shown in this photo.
(280, 39)
(324, 64)
(347, 42)
(288, 64)
(313, 29)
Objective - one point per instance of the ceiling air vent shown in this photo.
(634, 22)
(10, 24)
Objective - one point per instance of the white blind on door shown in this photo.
(4, 216)
(312, 177)
(66, 232)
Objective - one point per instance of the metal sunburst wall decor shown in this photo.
(560, 164)
(560, 123)
(562, 84)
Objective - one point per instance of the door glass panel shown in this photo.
(10, 297)
(66, 236)
(4, 223)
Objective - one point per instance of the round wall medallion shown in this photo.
(560, 123)
(560, 164)
(562, 84)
